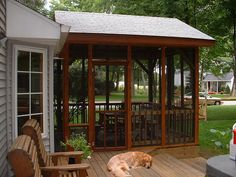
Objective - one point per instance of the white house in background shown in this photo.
(177, 78)
(26, 73)
(212, 83)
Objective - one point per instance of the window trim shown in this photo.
(17, 48)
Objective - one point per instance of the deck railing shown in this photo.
(146, 122)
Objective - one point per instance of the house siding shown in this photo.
(48, 141)
(3, 96)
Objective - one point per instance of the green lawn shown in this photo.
(119, 96)
(220, 118)
(224, 96)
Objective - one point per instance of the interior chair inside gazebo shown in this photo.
(109, 87)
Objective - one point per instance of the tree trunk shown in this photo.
(233, 93)
(117, 80)
(201, 76)
(144, 81)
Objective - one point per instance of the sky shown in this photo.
(48, 3)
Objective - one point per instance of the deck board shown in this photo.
(164, 165)
(198, 163)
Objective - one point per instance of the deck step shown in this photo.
(164, 165)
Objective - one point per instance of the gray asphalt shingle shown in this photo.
(225, 77)
(101, 23)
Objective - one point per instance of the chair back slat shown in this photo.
(32, 129)
(23, 157)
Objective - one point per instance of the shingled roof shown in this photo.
(225, 77)
(101, 23)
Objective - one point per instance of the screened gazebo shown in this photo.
(125, 79)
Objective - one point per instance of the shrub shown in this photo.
(227, 90)
(221, 139)
(79, 143)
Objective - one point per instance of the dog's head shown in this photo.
(147, 161)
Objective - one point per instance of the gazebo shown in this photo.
(100, 47)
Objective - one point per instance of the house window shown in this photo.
(30, 87)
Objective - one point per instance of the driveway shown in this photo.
(229, 102)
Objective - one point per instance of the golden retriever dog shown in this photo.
(120, 164)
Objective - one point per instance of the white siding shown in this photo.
(3, 96)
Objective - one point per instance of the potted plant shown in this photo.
(79, 143)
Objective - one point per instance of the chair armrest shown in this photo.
(68, 154)
(57, 156)
(72, 167)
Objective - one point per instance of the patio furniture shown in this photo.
(24, 161)
(221, 166)
(32, 129)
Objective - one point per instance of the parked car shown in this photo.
(202, 95)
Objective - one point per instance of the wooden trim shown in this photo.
(65, 55)
(91, 107)
(196, 104)
(163, 96)
(115, 39)
(128, 97)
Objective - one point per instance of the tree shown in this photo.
(81, 6)
(37, 5)
(217, 18)
(230, 18)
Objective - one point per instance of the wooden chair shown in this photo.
(24, 162)
(32, 129)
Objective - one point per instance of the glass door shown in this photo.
(109, 93)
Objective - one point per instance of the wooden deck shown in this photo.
(164, 165)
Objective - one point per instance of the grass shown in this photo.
(224, 96)
(220, 118)
(119, 96)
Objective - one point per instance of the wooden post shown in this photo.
(196, 104)
(91, 107)
(163, 95)
(196, 89)
(128, 97)
(182, 81)
(107, 87)
(65, 55)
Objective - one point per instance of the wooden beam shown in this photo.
(115, 39)
(186, 58)
(142, 66)
(196, 104)
(163, 96)
(91, 107)
(128, 97)
(65, 55)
